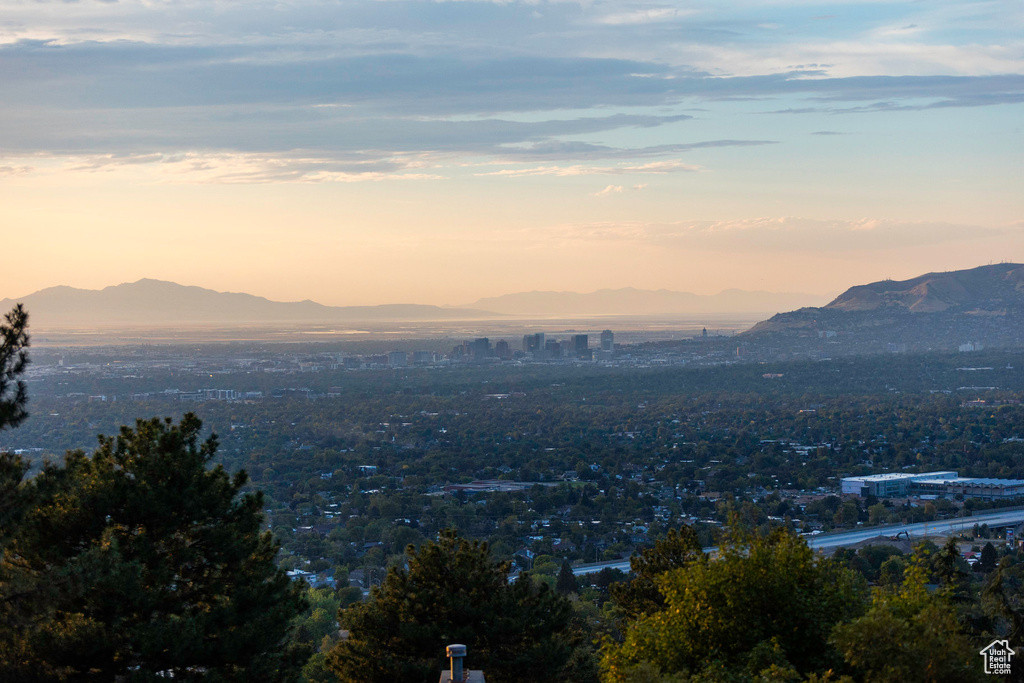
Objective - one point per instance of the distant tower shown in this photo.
(533, 342)
(481, 348)
(607, 341)
(552, 349)
(704, 333)
(580, 344)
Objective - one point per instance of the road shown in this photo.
(945, 527)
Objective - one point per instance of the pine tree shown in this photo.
(14, 502)
(989, 557)
(566, 581)
(13, 360)
(453, 592)
(146, 565)
(951, 571)
(1003, 598)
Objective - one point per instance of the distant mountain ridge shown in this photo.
(157, 302)
(631, 301)
(937, 310)
(986, 287)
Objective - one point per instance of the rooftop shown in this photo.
(897, 476)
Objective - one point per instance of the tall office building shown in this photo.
(607, 341)
(552, 349)
(533, 342)
(481, 348)
(580, 344)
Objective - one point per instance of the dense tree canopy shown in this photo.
(139, 563)
(908, 634)
(767, 601)
(641, 595)
(454, 592)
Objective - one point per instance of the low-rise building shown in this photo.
(972, 487)
(888, 485)
(939, 484)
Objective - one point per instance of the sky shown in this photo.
(398, 151)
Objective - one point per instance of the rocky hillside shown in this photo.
(988, 288)
(982, 305)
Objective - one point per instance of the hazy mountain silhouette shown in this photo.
(156, 302)
(630, 301)
(984, 304)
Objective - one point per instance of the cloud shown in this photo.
(578, 170)
(644, 16)
(233, 168)
(558, 150)
(952, 99)
(145, 75)
(101, 162)
(619, 189)
(14, 170)
(361, 83)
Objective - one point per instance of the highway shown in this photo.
(945, 527)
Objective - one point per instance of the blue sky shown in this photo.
(371, 152)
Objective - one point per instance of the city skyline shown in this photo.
(360, 153)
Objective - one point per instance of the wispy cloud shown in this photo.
(578, 170)
(619, 189)
(644, 16)
(263, 76)
(231, 168)
(14, 170)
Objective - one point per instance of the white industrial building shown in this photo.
(888, 485)
(932, 484)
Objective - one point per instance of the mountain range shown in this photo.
(156, 302)
(983, 305)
